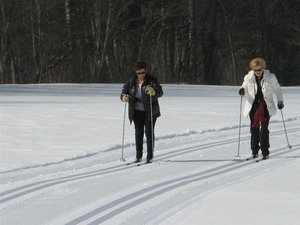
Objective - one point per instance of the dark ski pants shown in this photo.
(142, 125)
(260, 135)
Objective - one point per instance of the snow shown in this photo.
(61, 146)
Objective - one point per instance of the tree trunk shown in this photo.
(232, 72)
(3, 43)
(12, 69)
(105, 41)
(68, 14)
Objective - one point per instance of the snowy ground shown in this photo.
(61, 145)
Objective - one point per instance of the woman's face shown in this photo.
(141, 73)
(258, 71)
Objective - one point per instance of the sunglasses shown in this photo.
(257, 70)
(141, 73)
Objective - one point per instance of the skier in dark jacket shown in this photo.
(139, 91)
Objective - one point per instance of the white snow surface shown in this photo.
(61, 146)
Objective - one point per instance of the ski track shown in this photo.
(150, 201)
(166, 137)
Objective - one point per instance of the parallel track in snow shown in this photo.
(161, 190)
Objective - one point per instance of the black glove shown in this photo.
(242, 92)
(280, 105)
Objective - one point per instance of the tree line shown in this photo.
(182, 41)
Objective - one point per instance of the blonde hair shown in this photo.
(258, 62)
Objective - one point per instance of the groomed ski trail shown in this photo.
(150, 194)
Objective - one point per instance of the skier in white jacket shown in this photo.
(258, 87)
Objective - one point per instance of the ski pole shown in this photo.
(239, 141)
(122, 158)
(151, 121)
(289, 146)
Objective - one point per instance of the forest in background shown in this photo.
(182, 41)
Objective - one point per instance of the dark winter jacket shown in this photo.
(130, 89)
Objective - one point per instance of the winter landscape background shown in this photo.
(61, 146)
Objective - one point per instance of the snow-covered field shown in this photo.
(61, 147)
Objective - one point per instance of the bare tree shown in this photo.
(208, 41)
(4, 46)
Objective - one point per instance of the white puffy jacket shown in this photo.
(269, 86)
